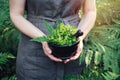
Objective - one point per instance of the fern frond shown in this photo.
(48, 26)
(4, 57)
(110, 75)
(10, 78)
(116, 21)
(105, 42)
(111, 60)
(106, 59)
(88, 58)
(40, 39)
(98, 57)
(114, 61)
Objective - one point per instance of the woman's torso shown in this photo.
(52, 10)
(31, 60)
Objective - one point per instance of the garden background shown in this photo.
(101, 51)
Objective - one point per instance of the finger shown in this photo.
(77, 53)
(48, 52)
(46, 48)
(78, 49)
(54, 58)
(66, 61)
(75, 56)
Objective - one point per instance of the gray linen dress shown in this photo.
(32, 63)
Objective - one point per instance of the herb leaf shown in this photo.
(48, 26)
(40, 39)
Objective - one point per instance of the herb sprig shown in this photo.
(61, 35)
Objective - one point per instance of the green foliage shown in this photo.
(49, 27)
(62, 35)
(97, 57)
(8, 34)
(4, 57)
(7, 61)
(9, 40)
(110, 76)
(40, 39)
(107, 11)
(89, 73)
(9, 78)
(88, 57)
(102, 50)
(104, 44)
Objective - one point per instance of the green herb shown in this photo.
(61, 35)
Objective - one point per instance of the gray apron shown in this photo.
(32, 63)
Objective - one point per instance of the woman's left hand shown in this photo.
(77, 54)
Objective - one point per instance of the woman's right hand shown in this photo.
(48, 52)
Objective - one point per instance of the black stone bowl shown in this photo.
(63, 52)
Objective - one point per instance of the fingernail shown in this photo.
(66, 61)
(60, 60)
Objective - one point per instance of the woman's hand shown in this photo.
(77, 54)
(48, 52)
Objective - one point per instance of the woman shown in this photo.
(34, 60)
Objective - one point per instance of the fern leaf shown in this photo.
(116, 21)
(58, 23)
(114, 75)
(107, 76)
(110, 75)
(88, 57)
(106, 60)
(48, 26)
(114, 62)
(10, 78)
(4, 57)
(97, 58)
(40, 39)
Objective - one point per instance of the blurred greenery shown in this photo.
(101, 52)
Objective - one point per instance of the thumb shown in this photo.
(46, 47)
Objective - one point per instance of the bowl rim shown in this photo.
(51, 44)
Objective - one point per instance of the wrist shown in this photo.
(43, 43)
(80, 38)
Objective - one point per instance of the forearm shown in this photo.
(87, 23)
(25, 26)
